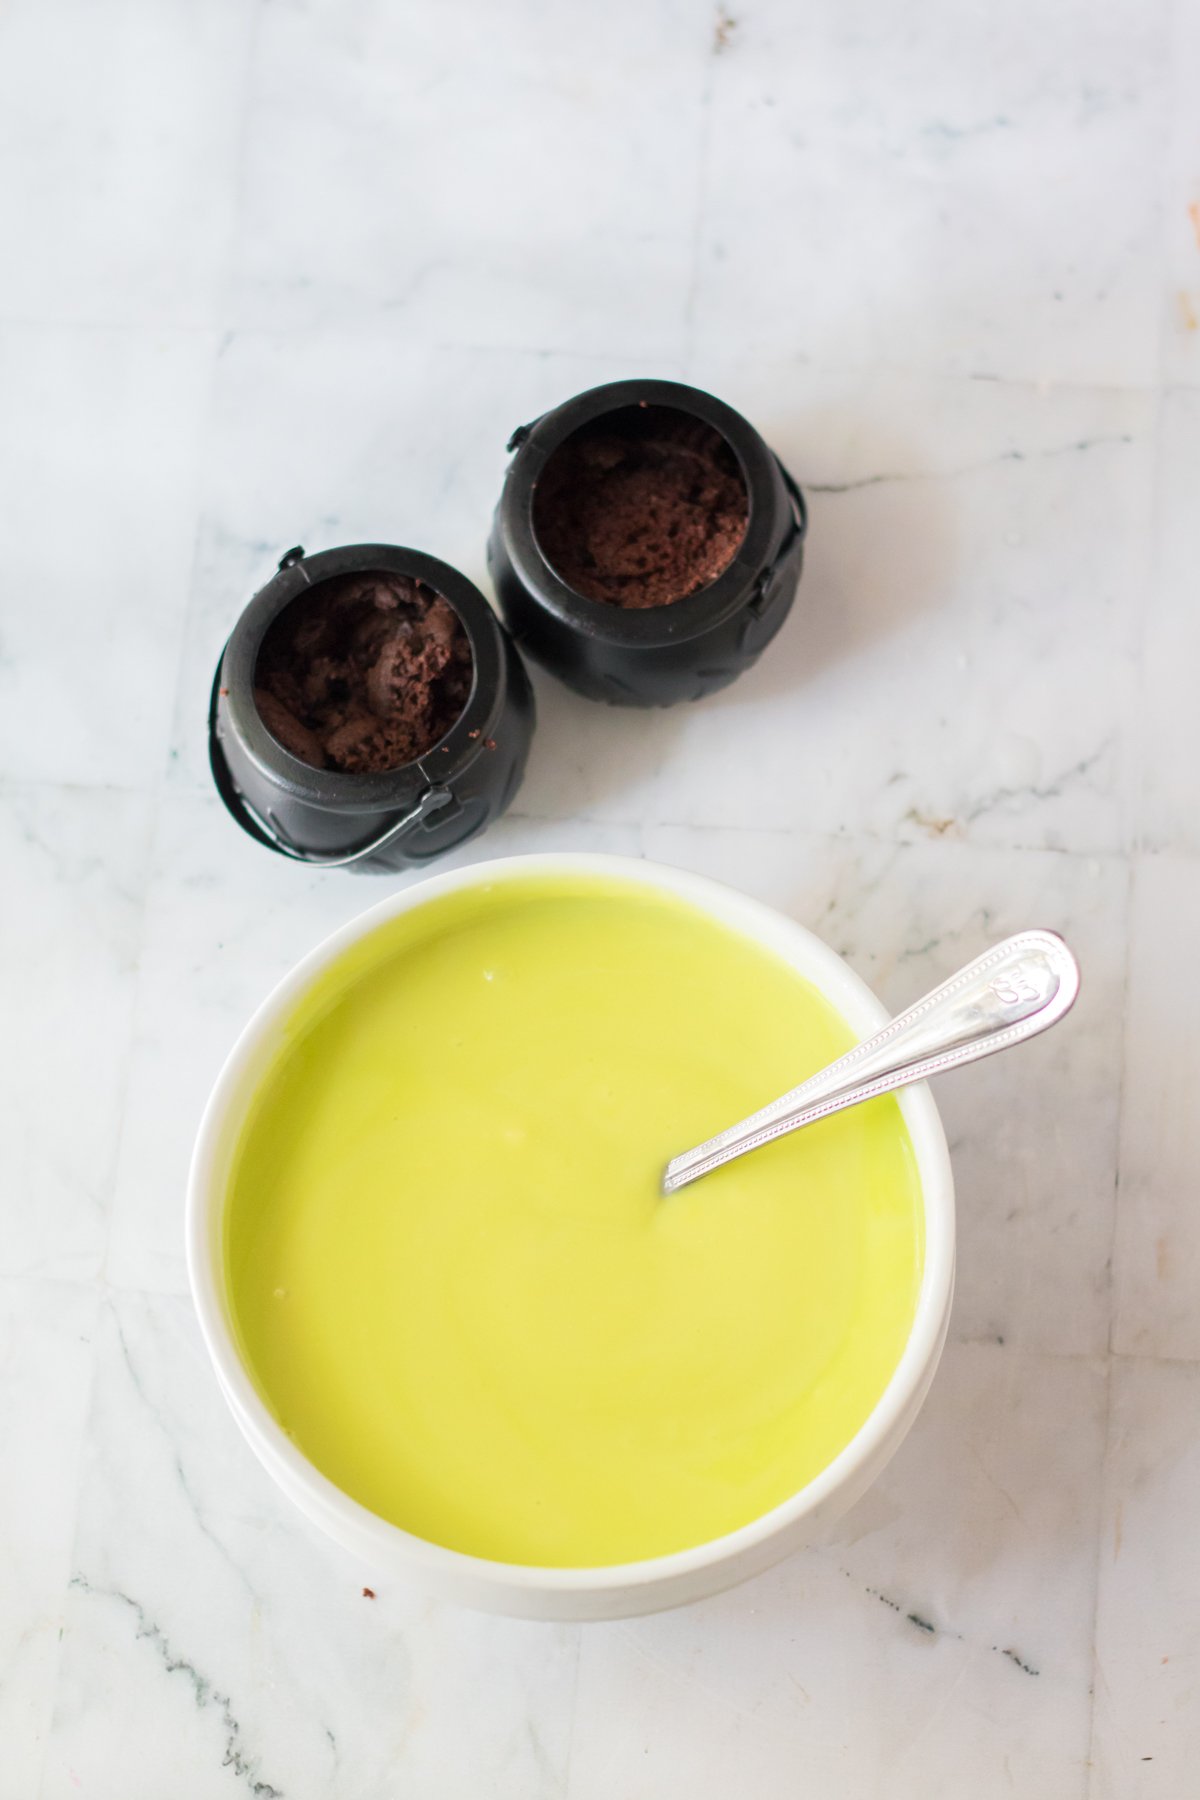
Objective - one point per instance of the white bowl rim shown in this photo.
(812, 958)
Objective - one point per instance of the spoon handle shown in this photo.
(1012, 992)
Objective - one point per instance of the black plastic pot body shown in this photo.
(404, 817)
(661, 654)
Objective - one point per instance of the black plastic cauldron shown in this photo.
(406, 816)
(662, 654)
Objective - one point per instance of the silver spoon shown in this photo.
(1023, 986)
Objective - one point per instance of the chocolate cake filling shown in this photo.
(641, 507)
(365, 673)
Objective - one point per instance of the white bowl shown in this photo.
(554, 1593)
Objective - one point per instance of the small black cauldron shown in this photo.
(656, 654)
(401, 817)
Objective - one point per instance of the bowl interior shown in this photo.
(217, 1143)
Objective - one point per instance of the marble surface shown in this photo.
(286, 271)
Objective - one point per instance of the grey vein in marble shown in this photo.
(245, 1767)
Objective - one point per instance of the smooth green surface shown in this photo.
(452, 1273)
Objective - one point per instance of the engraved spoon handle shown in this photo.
(1023, 986)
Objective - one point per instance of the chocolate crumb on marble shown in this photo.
(365, 673)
